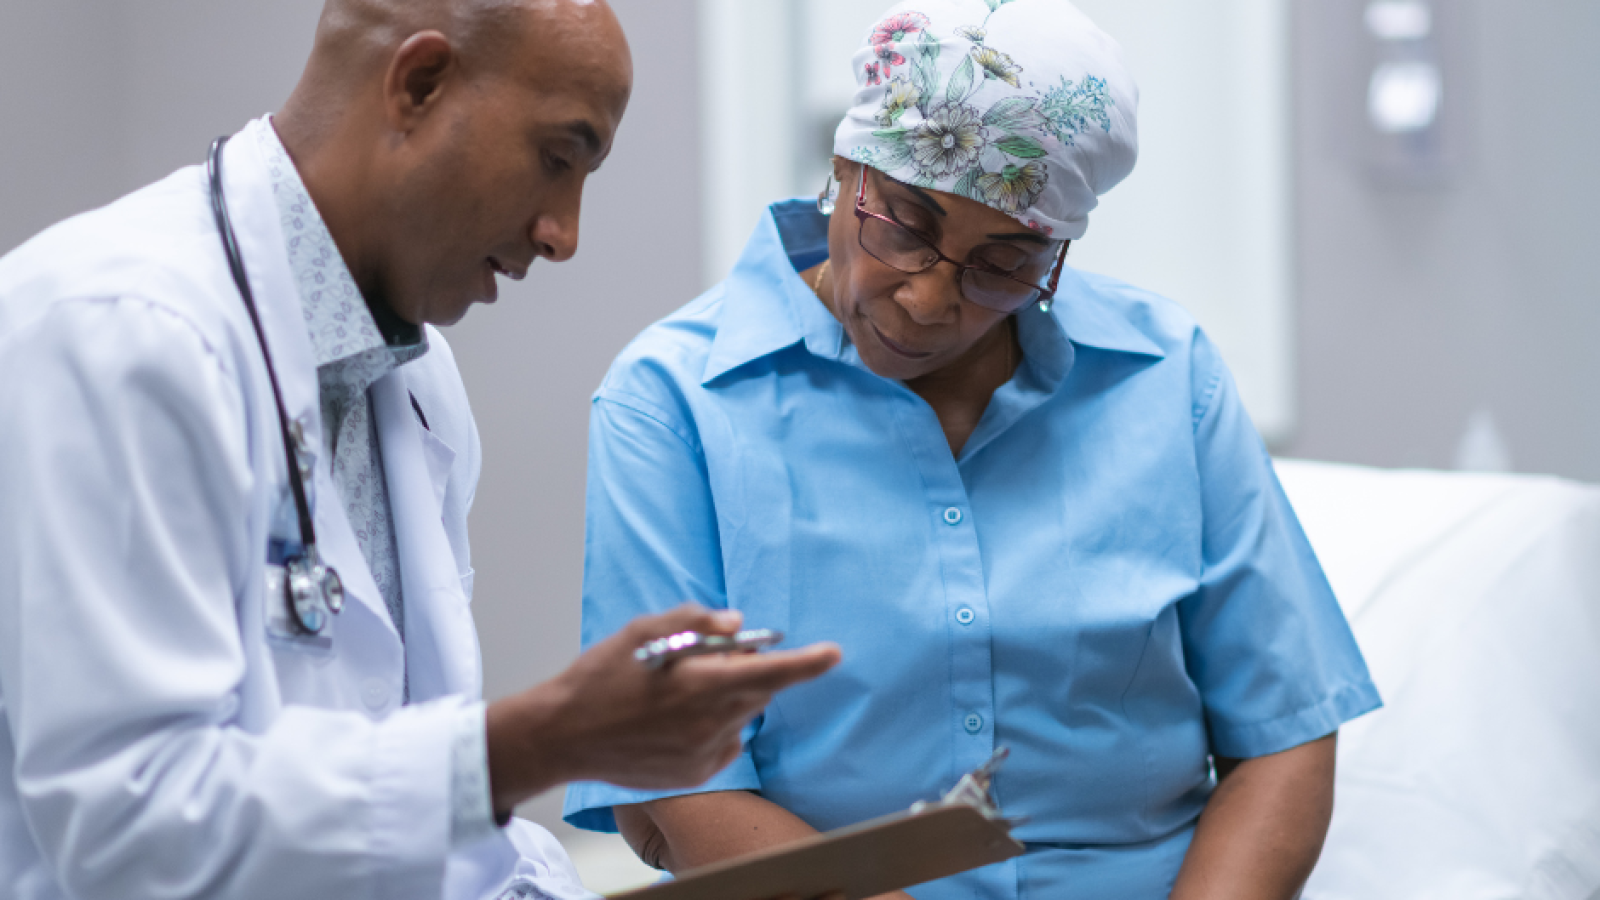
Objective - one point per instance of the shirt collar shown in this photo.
(339, 320)
(766, 307)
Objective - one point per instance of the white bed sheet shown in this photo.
(1476, 600)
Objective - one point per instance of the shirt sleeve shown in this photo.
(651, 542)
(471, 806)
(1264, 639)
(141, 764)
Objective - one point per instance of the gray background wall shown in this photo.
(1420, 307)
(1415, 309)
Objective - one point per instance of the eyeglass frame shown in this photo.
(1046, 294)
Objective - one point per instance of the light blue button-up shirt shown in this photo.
(1108, 579)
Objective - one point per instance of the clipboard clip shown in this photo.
(976, 789)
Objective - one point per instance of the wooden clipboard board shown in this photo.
(932, 840)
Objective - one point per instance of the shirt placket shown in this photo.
(948, 509)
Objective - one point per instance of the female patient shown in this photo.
(1025, 501)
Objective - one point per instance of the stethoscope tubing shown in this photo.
(230, 246)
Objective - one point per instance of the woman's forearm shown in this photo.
(1261, 832)
(681, 833)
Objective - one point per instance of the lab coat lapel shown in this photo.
(441, 643)
(255, 221)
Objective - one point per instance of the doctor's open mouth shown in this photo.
(503, 269)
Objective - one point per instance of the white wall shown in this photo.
(1205, 218)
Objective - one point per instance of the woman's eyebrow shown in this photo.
(927, 200)
(1021, 236)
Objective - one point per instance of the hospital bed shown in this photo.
(1476, 599)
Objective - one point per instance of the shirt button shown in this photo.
(375, 694)
(973, 723)
(965, 615)
(952, 516)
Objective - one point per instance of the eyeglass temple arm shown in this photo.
(1055, 276)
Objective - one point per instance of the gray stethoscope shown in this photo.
(311, 590)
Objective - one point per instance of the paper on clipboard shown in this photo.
(963, 830)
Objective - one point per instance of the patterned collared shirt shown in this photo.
(353, 352)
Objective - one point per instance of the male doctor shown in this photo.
(174, 724)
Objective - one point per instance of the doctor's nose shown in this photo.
(555, 236)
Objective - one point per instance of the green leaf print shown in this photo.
(1013, 114)
(1020, 147)
(968, 185)
(895, 155)
(960, 82)
(925, 69)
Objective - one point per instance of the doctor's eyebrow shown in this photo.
(585, 134)
(582, 134)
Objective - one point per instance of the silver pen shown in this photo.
(664, 650)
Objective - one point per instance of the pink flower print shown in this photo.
(872, 74)
(891, 31)
(895, 29)
(889, 58)
(1046, 229)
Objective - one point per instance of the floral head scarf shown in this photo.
(1023, 105)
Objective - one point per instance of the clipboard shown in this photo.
(962, 830)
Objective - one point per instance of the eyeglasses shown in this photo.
(903, 250)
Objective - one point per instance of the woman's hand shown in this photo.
(1261, 833)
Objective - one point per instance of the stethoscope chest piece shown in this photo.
(332, 589)
(312, 592)
(304, 597)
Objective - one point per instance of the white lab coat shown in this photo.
(156, 741)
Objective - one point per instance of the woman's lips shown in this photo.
(898, 349)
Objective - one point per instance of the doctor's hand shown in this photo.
(609, 718)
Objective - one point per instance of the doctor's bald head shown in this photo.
(446, 142)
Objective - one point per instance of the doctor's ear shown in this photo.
(416, 77)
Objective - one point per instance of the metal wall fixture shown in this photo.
(1414, 83)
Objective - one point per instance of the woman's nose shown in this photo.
(931, 297)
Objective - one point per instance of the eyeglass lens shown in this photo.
(899, 248)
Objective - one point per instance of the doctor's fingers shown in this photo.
(752, 675)
(688, 617)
